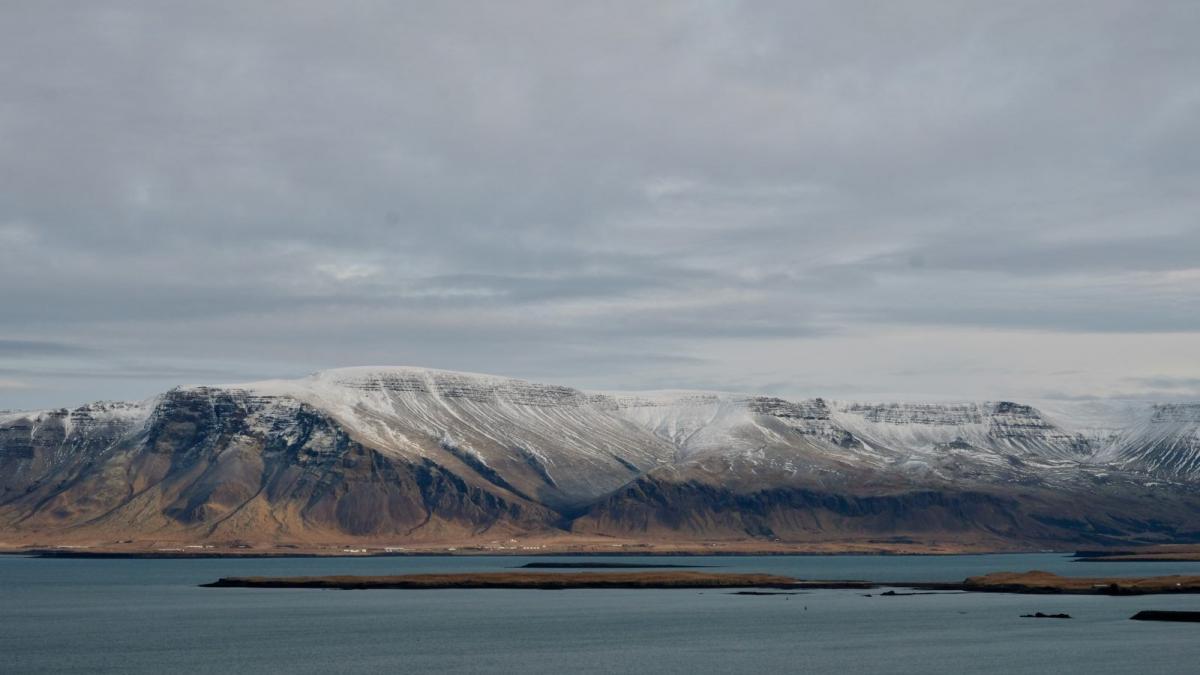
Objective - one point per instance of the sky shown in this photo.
(863, 200)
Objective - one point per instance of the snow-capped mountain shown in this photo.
(39, 443)
(400, 452)
(996, 441)
(1165, 442)
(554, 442)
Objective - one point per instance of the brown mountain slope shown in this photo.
(201, 471)
(695, 503)
(393, 456)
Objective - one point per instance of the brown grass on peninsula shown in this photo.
(544, 580)
(1046, 582)
(1164, 553)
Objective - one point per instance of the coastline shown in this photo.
(1168, 553)
(101, 553)
(1025, 583)
(50, 547)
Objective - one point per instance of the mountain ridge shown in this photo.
(418, 454)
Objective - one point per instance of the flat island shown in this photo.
(543, 580)
(600, 566)
(1045, 582)
(1033, 582)
(1175, 553)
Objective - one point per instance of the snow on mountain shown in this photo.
(751, 433)
(379, 451)
(1165, 441)
(946, 441)
(693, 421)
(36, 444)
(1000, 427)
(69, 429)
(569, 445)
(82, 419)
(548, 440)
(580, 444)
(1098, 420)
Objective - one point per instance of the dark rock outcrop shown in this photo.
(214, 463)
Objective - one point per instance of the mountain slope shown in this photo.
(227, 464)
(988, 442)
(397, 454)
(1165, 443)
(554, 444)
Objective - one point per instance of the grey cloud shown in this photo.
(547, 189)
(1026, 255)
(1095, 316)
(1172, 383)
(1141, 396)
(19, 348)
(165, 372)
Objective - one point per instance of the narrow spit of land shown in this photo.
(1166, 615)
(543, 580)
(1176, 553)
(1045, 582)
(600, 566)
(1033, 582)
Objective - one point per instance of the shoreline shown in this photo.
(517, 580)
(674, 553)
(543, 548)
(534, 547)
(1160, 553)
(1023, 583)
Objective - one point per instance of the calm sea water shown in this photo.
(149, 616)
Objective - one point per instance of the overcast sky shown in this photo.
(858, 200)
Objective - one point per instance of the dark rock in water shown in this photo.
(764, 593)
(1040, 615)
(1165, 615)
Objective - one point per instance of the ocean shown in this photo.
(150, 616)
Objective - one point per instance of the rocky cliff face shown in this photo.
(227, 464)
(35, 446)
(407, 454)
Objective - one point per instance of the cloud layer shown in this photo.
(850, 199)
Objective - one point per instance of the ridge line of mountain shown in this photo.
(420, 454)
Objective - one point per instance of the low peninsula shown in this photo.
(531, 580)
(1174, 553)
(1032, 582)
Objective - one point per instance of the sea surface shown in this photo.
(150, 616)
